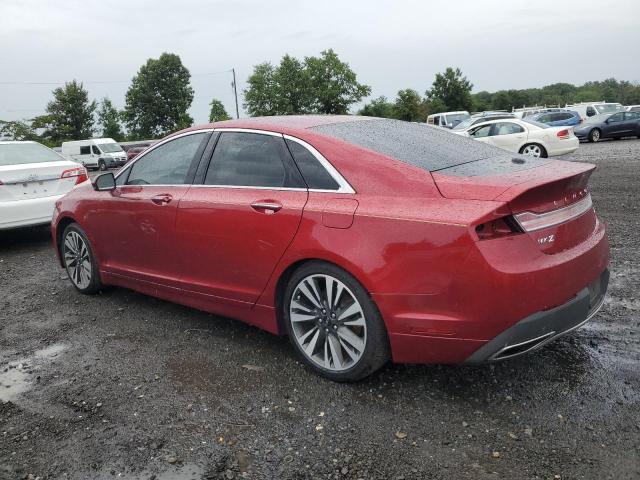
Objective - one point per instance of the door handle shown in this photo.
(162, 199)
(266, 206)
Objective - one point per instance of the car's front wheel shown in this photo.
(594, 135)
(102, 165)
(79, 260)
(533, 150)
(333, 323)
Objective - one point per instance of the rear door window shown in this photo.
(252, 160)
(481, 132)
(85, 150)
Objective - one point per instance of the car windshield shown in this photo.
(536, 123)
(608, 108)
(417, 144)
(20, 153)
(452, 117)
(465, 124)
(597, 118)
(110, 147)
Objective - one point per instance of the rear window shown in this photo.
(417, 144)
(21, 153)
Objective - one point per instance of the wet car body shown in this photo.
(469, 253)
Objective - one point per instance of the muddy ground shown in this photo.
(121, 385)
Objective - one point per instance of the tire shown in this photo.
(75, 248)
(361, 348)
(102, 166)
(594, 135)
(534, 150)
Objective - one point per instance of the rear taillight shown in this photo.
(531, 221)
(566, 133)
(500, 227)
(79, 172)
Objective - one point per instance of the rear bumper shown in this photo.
(566, 146)
(26, 213)
(543, 327)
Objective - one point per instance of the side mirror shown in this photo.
(104, 182)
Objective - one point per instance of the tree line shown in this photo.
(160, 95)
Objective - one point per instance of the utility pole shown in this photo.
(235, 92)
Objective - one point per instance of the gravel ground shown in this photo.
(121, 385)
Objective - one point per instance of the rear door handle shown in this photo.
(266, 206)
(162, 199)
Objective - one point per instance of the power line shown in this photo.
(106, 82)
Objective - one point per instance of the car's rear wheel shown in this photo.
(594, 135)
(333, 324)
(79, 260)
(533, 150)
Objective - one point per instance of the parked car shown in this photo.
(483, 117)
(447, 119)
(591, 109)
(524, 136)
(100, 153)
(633, 108)
(399, 241)
(564, 118)
(134, 151)
(526, 112)
(32, 178)
(610, 125)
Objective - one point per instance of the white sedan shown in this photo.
(524, 136)
(32, 178)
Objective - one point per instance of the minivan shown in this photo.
(100, 153)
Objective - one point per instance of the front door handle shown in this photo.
(162, 199)
(266, 206)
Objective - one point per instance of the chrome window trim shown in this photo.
(343, 185)
(152, 148)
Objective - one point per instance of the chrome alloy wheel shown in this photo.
(532, 150)
(595, 135)
(328, 322)
(77, 260)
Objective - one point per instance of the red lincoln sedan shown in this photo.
(362, 239)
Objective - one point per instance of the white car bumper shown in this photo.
(25, 213)
(563, 147)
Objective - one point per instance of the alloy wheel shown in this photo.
(532, 150)
(328, 322)
(595, 135)
(77, 260)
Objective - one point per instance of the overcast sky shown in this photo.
(391, 45)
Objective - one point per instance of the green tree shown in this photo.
(18, 130)
(217, 113)
(158, 98)
(408, 106)
(322, 84)
(69, 115)
(333, 84)
(109, 120)
(260, 96)
(378, 107)
(452, 89)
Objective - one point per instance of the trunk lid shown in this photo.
(549, 200)
(35, 180)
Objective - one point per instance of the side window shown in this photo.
(565, 116)
(481, 131)
(506, 128)
(85, 150)
(632, 115)
(252, 160)
(167, 164)
(635, 109)
(544, 118)
(314, 174)
(591, 111)
(95, 150)
(618, 117)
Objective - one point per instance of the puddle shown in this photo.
(19, 376)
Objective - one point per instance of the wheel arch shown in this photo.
(62, 223)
